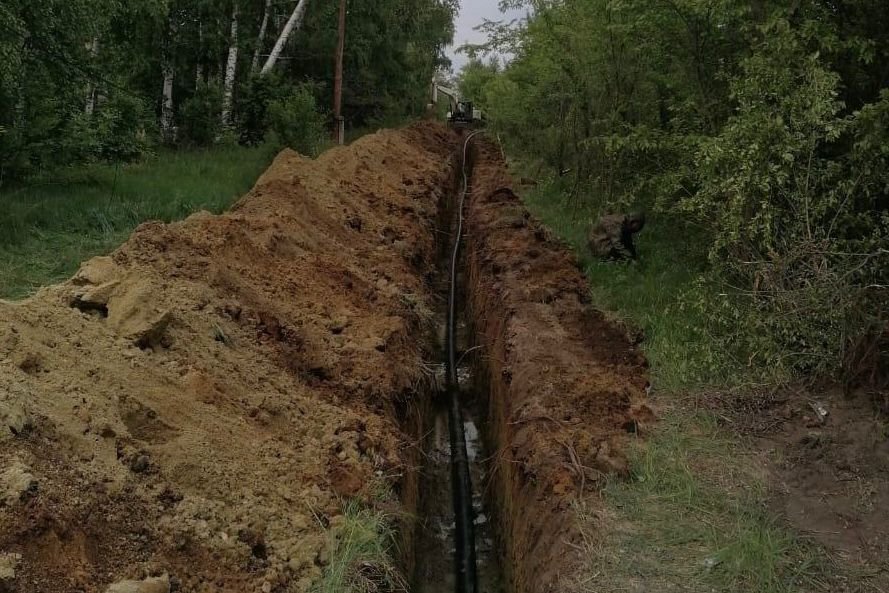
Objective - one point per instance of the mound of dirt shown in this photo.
(565, 385)
(193, 409)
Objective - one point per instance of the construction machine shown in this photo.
(460, 113)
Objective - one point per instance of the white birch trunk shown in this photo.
(230, 70)
(260, 39)
(199, 68)
(294, 22)
(167, 106)
(91, 87)
(169, 72)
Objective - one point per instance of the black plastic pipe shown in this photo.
(461, 482)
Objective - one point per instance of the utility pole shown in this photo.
(339, 131)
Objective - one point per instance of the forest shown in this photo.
(88, 80)
(755, 134)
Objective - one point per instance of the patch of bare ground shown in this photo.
(827, 459)
(781, 492)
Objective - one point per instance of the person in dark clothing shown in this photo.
(611, 238)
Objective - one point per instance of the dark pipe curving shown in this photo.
(465, 562)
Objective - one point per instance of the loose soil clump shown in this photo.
(190, 412)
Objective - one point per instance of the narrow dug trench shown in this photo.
(201, 409)
(457, 546)
(551, 391)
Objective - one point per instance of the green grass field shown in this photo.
(50, 225)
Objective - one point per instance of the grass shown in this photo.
(652, 292)
(361, 559)
(686, 520)
(50, 225)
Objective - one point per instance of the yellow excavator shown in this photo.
(460, 113)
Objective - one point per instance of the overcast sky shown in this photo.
(472, 14)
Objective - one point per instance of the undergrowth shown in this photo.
(652, 292)
(361, 560)
(51, 224)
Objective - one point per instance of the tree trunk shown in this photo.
(167, 106)
(294, 22)
(199, 68)
(168, 73)
(91, 86)
(260, 39)
(230, 70)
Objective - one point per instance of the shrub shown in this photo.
(200, 115)
(253, 104)
(297, 121)
(797, 219)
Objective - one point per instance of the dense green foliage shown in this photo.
(759, 127)
(297, 122)
(90, 80)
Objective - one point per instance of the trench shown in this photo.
(456, 547)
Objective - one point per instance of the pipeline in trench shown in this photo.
(555, 388)
(456, 546)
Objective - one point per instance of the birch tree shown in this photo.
(260, 39)
(293, 23)
(230, 69)
(199, 68)
(169, 73)
(91, 86)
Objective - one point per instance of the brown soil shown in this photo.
(199, 402)
(202, 402)
(829, 475)
(565, 385)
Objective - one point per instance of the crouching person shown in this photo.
(611, 238)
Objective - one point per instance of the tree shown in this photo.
(293, 23)
(260, 38)
(756, 122)
(230, 69)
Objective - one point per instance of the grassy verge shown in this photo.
(651, 292)
(49, 226)
(686, 520)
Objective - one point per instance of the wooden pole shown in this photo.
(339, 131)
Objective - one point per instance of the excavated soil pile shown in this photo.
(565, 385)
(195, 407)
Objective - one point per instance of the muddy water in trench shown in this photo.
(435, 551)
(435, 548)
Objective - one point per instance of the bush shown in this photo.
(253, 105)
(200, 116)
(797, 220)
(130, 127)
(297, 121)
